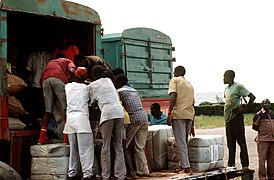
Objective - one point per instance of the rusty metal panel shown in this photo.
(54, 8)
(4, 127)
(3, 76)
(3, 53)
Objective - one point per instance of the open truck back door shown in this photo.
(24, 25)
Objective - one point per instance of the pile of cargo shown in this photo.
(49, 161)
(172, 154)
(156, 146)
(15, 108)
(206, 152)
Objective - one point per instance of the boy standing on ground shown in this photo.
(103, 92)
(78, 127)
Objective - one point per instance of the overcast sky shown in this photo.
(210, 36)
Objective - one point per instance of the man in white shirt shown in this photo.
(78, 126)
(103, 92)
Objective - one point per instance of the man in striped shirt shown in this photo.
(137, 130)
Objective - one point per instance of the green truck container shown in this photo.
(146, 57)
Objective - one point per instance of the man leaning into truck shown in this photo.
(53, 81)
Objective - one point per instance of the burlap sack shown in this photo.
(15, 108)
(15, 84)
(16, 124)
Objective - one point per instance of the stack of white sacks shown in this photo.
(156, 146)
(206, 152)
(49, 161)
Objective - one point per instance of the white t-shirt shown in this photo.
(104, 93)
(36, 64)
(77, 95)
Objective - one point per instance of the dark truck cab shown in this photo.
(24, 25)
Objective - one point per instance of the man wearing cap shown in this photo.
(78, 127)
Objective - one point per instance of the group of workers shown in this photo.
(71, 82)
(181, 117)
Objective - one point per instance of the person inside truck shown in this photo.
(36, 64)
(89, 62)
(53, 81)
(156, 116)
(78, 128)
(66, 47)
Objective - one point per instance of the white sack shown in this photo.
(49, 166)
(172, 165)
(49, 150)
(48, 177)
(172, 153)
(159, 134)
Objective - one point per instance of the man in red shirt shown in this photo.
(65, 47)
(53, 81)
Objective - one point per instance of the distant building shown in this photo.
(212, 97)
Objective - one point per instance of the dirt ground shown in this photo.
(252, 150)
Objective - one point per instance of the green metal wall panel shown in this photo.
(98, 44)
(3, 54)
(146, 57)
(112, 54)
(146, 34)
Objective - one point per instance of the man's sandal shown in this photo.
(183, 171)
